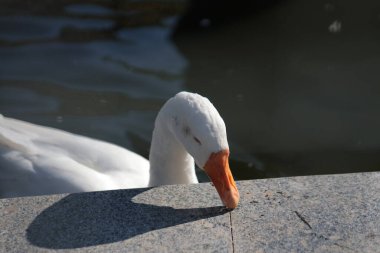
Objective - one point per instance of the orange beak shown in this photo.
(218, 169)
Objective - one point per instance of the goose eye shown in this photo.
(197, 140)
(186, 130)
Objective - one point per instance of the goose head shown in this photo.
(197, 125)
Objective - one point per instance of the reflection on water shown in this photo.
(97, 69)
(297, 83)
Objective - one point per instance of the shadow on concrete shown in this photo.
(88, 219)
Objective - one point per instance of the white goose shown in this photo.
(37, 160)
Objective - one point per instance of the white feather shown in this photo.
(38, 160)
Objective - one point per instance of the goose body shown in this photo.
(36, 160)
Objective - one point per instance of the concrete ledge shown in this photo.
(332, 213)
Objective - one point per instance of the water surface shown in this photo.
(297, 83)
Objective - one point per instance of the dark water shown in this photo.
(297, 82)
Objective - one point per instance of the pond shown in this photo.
(296, 82)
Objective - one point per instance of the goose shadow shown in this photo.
(89, 219)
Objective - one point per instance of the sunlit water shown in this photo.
(297, 83)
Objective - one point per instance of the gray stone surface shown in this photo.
(333, 213)
(162, 219)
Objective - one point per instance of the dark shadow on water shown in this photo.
(88, 219)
